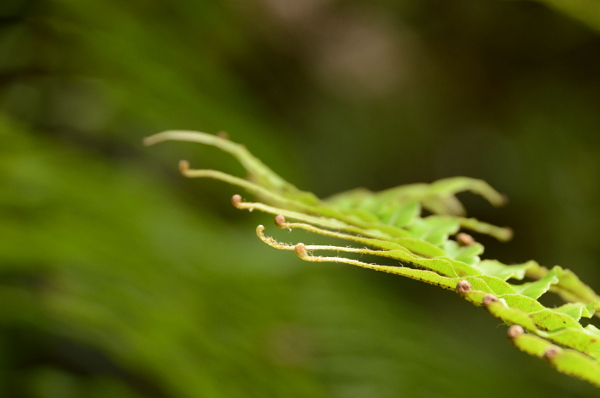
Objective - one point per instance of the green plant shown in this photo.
(429, 248)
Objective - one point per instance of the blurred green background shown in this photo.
(120, 278)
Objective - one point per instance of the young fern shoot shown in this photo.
(433, 249)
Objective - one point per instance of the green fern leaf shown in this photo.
(390, 224)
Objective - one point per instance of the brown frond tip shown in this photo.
(514, 331)
(552, 351)
(184, 166)
(463, 287)
(464, 239)
(301, 250)
(223, 135)
(236, 200)
(280, 220)
(489, 299)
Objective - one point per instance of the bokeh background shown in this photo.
(120, 278)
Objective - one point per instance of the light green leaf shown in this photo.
(577, 310)
(575, 363)
(503, 271)
(434, 229)
(537, 288)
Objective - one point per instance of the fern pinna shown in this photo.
(428, 248)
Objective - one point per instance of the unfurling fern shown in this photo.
(429, 248)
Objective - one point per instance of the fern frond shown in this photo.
(432, 249)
